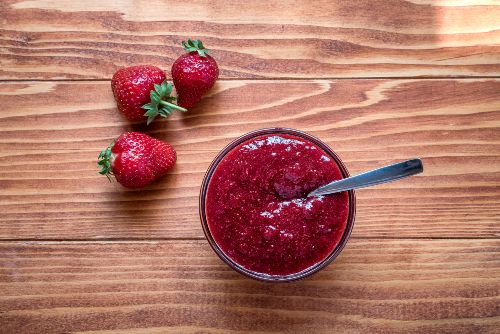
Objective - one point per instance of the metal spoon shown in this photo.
(373, 177)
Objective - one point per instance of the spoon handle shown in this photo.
(372, 177)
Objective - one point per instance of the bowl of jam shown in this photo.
(255, 211)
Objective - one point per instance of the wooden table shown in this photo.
(378, 80)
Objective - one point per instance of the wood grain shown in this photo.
(376, 286)
(380, 81)
(42, 39)
(51, 133)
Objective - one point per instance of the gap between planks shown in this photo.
(458, 77)
(147, 240)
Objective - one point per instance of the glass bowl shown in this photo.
(262, 276)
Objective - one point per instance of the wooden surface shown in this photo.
(65, 39)
(414, 286)
(379, 81)
(54, 192)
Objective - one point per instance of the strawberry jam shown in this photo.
(257, 210)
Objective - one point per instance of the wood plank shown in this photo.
(52, 132)
(42, 39)
(376, 286)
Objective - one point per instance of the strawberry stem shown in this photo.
(175, 106)
(195, 45)
(161, 102)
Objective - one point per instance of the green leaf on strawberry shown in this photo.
(161, 102)
(195, 45)
(104, 162)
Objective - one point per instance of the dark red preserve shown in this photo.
(257, 210)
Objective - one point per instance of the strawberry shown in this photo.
(136, 159)
(193, 73)
(143, 87)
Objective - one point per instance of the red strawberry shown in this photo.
(193, 73)
(136, 159)
(142, 87)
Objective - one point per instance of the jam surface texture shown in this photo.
(257, 210)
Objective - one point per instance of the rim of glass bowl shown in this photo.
(262, 276)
